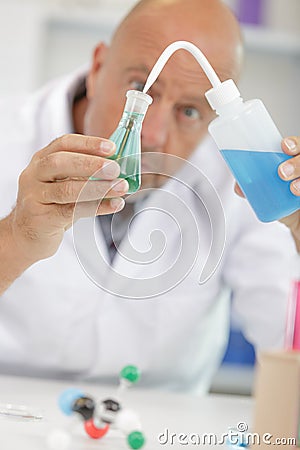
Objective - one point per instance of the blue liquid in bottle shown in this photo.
(256, 173)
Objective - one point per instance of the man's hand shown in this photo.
(289, 171)
(49, 189)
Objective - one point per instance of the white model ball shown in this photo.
(127, 421)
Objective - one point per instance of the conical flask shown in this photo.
(127, 138)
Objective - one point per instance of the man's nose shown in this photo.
(156, 126)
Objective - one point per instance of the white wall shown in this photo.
(274, 77)
(42, 38)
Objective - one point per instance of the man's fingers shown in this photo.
(79, 143)
(295, 187)
(110, 206)
(73, 212)
(61, 165)
(92, 209)
(238, 190)
(291, 145)
(290, 169)
(72, 191)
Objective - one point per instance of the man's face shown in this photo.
(178, 118)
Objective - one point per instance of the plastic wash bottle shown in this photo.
(251, 145)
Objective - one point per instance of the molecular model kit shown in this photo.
(98, 416)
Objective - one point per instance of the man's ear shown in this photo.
(98, 58)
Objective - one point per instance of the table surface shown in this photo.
(158, 411)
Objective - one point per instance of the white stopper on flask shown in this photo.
(137, 102)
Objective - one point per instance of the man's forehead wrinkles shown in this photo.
(138, 68)
(181, 74)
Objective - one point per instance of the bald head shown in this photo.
(209, 24)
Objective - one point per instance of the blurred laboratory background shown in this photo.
(42, 39)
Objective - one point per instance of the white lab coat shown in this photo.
(55, 321)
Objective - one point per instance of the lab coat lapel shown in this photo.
(153, 246)
(91, 249)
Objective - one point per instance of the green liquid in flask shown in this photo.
(127, 138)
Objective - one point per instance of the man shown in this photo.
(54, 320)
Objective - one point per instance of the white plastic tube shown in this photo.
(168, 52)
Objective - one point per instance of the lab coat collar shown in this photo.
(55, 106)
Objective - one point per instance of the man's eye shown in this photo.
(137, 85)
(191, 113)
